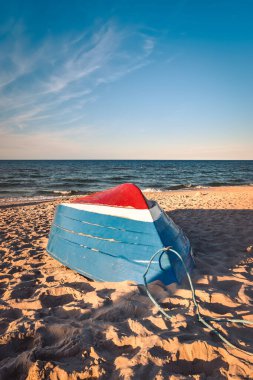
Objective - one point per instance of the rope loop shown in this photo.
(196, 304)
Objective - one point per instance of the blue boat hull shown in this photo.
(112, 248)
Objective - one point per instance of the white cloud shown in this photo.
(42, 82)
(149, 45)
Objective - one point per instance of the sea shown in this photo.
(43, 179)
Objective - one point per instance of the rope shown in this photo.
(197, 312)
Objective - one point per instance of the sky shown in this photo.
(89, 79)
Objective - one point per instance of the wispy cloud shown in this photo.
(149, 45)
(48, 85)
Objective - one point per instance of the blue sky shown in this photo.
(126, 79)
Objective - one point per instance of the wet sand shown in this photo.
(56, 324)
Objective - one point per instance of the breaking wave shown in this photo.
(70, 178)
(151, 190)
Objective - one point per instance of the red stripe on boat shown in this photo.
(126, 195)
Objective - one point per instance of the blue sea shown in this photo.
(67, 177)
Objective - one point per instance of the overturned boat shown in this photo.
(111, 236)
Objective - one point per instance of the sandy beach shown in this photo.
(56, 324)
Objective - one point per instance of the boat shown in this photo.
(111, 236)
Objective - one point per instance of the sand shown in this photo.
(56, 324)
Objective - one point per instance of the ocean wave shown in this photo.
(229, 183)
(151, 190)
(78, 180)
(206, 185)
(180, 187)
(60, 192)
(176, 187)
(63, 192)
(37, 176)
(120, 178)
(15, 184)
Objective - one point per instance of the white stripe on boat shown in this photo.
(146, 215)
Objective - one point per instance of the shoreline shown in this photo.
(31, 200)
